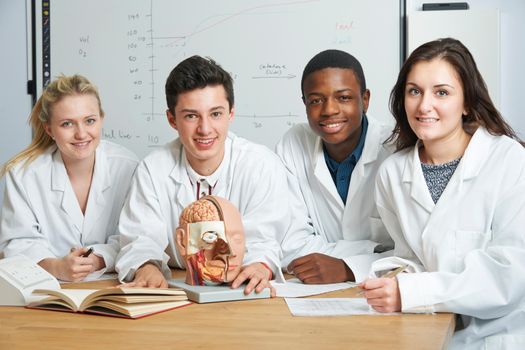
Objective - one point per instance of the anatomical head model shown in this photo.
(210, 238)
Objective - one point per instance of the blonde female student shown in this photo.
(64, 192)
(453, 200)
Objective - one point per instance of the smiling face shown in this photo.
(334, 106)
(202, 118)
(75, 125)
(434, 102)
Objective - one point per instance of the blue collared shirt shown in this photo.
(342, 172)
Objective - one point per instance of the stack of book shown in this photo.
(117, 301)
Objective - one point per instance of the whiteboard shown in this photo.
(128, 47)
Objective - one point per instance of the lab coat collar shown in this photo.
(476, 153)
(60, 182)
(323, 174)
(372, 147)
(179, 174)
(97, 193)
(469, 167)
(413, 174)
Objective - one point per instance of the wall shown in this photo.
(512, 46)
(15, 104)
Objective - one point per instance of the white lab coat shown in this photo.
(252, 178)
(321, 221)
(41, 217)
(471, 243)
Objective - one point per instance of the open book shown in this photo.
(119, 302)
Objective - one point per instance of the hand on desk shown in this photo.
(73, 267)
(318, 268)
(148, 275)
(259, 278)
(382, 294)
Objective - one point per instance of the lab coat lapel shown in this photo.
(60, 182)
(100, 184)
(323, 174)
(179, 175)
(369, 155)
(469, 167)
(225, 172)
(413, 175)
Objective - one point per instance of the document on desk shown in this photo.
(328, 306)
(294, 288)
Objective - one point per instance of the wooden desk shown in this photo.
(254, 324)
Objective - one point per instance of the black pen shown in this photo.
(86, 254)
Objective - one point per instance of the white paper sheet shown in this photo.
(328, 306)
(294, 288)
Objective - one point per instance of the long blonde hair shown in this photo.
(61, 87)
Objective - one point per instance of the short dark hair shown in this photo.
(196, 72)
(334, 59)
(478, 105)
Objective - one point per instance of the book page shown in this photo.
(73, 297)
(157, 294)
(134, 310)
(133, 299)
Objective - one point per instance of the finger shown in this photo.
(140, 283)
(127, 285)
(295, 263)
(376, 293)
(263, 283)
(374, 283)
(301, 264)
(158, 283)
(75, 252)
(376, 301)
(164, 284)
(301, 269)
(83, 250)
(78, 269)
(312, 279)
(243, 276)
(379, 308)
(273, 292)
(308, 276)
(384, 309)
(254, 281)
(77, 277)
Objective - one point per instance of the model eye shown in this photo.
(66, 124)
(216, 115)
(442, 93)
(210, 236)
(345, 98)
(190, 116)
(91, 121)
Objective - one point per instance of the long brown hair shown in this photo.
(479, 106)
(61, 87)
